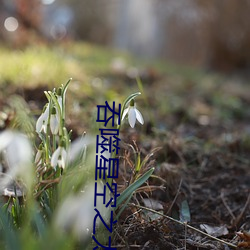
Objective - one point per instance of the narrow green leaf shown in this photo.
(138, 163)
(124, 206)
(139, 84)
(129, 190)
(39, 222)
(65, 87)
(11, 237)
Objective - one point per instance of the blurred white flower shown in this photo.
(133, 114)
(17, 152)
(54, 121)
(42, 121)
(78, 148)
(76, 214)
(59, 157)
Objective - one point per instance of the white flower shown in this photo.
(42, 122)
(133, 114)
(76, 213)
(59, 157)
(78, 148)
(17, 152)
(54, 121)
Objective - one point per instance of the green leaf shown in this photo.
(10, 236)
(129, 190)
(124, 206)
(184, 212)
(39, 222)
(138, 163)
(65, 87)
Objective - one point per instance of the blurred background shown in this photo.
(212, 34)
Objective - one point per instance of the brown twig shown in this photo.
(177, 193)
(239, 217)
(184, 224)
(227, 207)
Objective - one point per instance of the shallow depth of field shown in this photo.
(190, 61)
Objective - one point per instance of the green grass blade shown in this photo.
(128, 191)
(124, 206)
(10, 235)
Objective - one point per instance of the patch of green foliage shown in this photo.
(55, 209)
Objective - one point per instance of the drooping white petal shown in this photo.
(54, 124)
(59, 157)
(55, 156)
(62, 161)
(44, 127)
(39, 123)
(133, 114)
(132, 117)
(124, 113)
(139, 116)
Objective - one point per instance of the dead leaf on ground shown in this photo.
(215, 231)
(245, 236)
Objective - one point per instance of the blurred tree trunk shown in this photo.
(28, 13)
(229, 34)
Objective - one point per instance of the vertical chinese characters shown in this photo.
(106, 167)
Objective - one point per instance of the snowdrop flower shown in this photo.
(78, 148)
(133, 114)
(17, 152)
(76, 213)
(59, 157)
(54, 121)
(42, 122)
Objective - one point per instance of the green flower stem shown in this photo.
(53, 142)
(65, 87)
